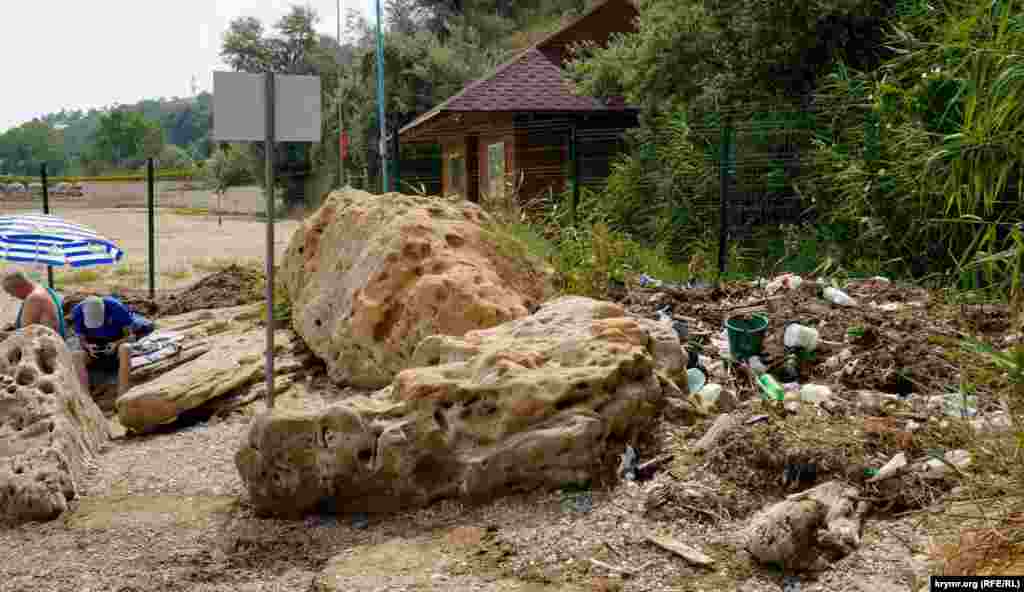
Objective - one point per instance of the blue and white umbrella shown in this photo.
(49, 240)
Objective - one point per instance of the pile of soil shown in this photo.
(233, 286)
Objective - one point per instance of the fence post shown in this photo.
(723, 215)
(574, 162)
(151, 206)
(46, 210)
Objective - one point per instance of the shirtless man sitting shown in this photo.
(39, 305)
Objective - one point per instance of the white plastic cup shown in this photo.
(814, 393)
(838, 297)
(801, 336)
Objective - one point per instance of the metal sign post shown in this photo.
(46, 210)
(269, 184)
(267, 108)
(150, 210)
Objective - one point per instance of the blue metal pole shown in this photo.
(383, 145)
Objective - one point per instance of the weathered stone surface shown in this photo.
(234, 360)
(369, 276)
(49, 429)
(539, 401)
(792, 532)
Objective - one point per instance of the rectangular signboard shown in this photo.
(239, 107)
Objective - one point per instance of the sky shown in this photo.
(58, 54)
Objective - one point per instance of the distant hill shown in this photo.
(185, 123)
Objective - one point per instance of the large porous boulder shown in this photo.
(369, 276)
(49, 428)
(541, 401)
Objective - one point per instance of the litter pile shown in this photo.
(794, 383)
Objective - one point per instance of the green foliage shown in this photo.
(126, 135)
(229, 167)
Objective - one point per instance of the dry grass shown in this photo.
(190, 211)
(215, 264)
(177, 273)
(77, 277)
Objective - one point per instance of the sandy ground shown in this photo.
(187, 247)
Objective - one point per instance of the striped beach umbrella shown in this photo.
(53, 241)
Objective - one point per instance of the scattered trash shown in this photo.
(786, 281)
(790, 584)
(581, 502)
(892, 468)
(790, 371)
(664, 314)
(627, 467)
(757, 419)
(688, 553)
(815, 393)
(695, 380)
(770, 388)
(708, 397)
(682, 329)
(745, 335)
(937, 468)
(693, 360)
(799, 474)
(837, 297)
(647, 281)
(757, 366)
(360, 520)
(647, 469)
(960, 405)
(800, 336)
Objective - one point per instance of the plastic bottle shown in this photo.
(803, 337)
(837, 297)
(771, 389)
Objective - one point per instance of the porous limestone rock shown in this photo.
(540, 401)
(49, 428)
(793, 532)
(369, 276)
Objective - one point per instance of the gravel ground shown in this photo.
(167, 512)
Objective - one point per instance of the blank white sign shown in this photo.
(239, 108)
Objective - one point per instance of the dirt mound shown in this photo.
(233, 286)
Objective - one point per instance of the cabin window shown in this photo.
(496, 170)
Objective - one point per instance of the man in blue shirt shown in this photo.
(106, 328)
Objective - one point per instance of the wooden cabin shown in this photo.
(522, 127)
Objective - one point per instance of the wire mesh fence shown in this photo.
(741, 171)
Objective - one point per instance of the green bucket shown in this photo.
(746, 335)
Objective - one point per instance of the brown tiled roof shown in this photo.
(531, 81)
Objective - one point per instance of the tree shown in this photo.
(228, 167)
(124, 135)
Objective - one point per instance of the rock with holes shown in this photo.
(49, 428)
(369, 276)
(797, 532)
(545, 400)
